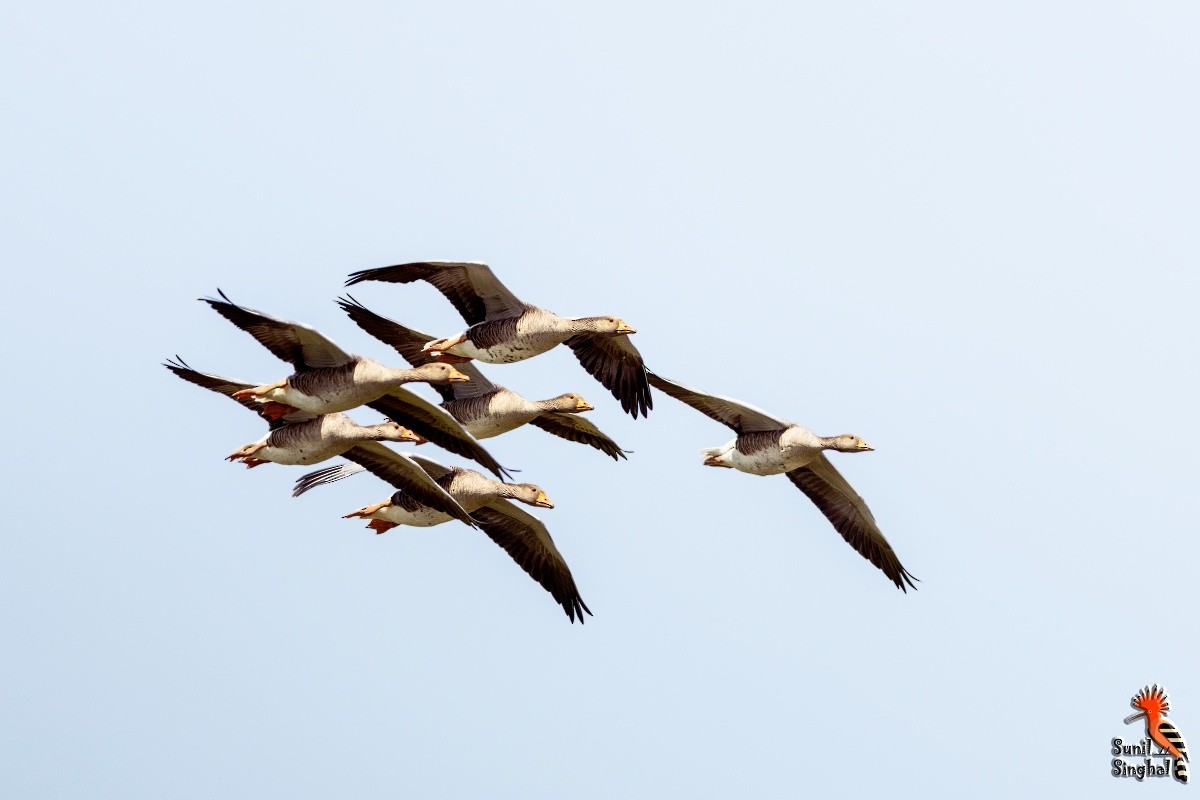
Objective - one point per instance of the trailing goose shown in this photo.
(522, 535)
(768, 445)
(310, 439)
(503, 329)
(484, 408)
(328, 379)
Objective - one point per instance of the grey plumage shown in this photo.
(487, 409)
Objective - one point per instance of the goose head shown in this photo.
(437, 372)
(392, 431)
(611, 325)
(528, 493)
(846, 443)
(570, 403)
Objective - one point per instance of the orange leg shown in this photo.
(712, 461)
(276, 411)
(381, 526)
(449, 358)
(254, 391)
(245, 451)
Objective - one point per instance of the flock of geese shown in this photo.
(306, 425)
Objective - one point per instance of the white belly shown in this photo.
(494, 425)
(507, 353)
(421, 518)
(771, 461)
(342, 398)
(303, 454)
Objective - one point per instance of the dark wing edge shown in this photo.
(575, 428)
(474, 291)
(734, 414)
(227, 386)
(405, 341)
(325, 475)
(300, 345)
(616, 363)
(436, 425)
(408, 343)
(850, 516)
(528, 542)
(409, 477)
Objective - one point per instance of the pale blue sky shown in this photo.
(967, 234)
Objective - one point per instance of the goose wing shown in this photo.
(616, 363)
(742, 417)
(575, 428)
(227, 386)
(403, 472)
(471, 287)
(301, 346)
(408, 343)
(335, 473)
(850, 516)
(526, 540)
(435, 424)
(325, 475)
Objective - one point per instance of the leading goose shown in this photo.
(522, 535)
(504, 329)
(328, 379)
(484, 408)
(767, 445)
(310, 439)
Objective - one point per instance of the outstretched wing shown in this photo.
(616, 363)
(406, 475)
(471, 287)
(298, 344)
(435, 424)
(227, 387)
(325, 475)
(742, 417)
(408, 343)
(525, 538)
(575, 428)
(850, 516)
(337, 472)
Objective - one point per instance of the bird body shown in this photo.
(327, 379)
(504, 329)
(472, 491)
(319, 439)
(768, 452)
(326, 390)
(504, 410)
(513, 339)
(484, 408)
(308, 440)
(768, 445)
(523, 536)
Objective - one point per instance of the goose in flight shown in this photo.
(328, 379)
(768, 445)
(484, 408)
(522, 535)
(503, 329)
(310, 439)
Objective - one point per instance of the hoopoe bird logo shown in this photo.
(1153, 704)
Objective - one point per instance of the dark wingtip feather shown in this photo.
(575, 608)
(359, 276)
